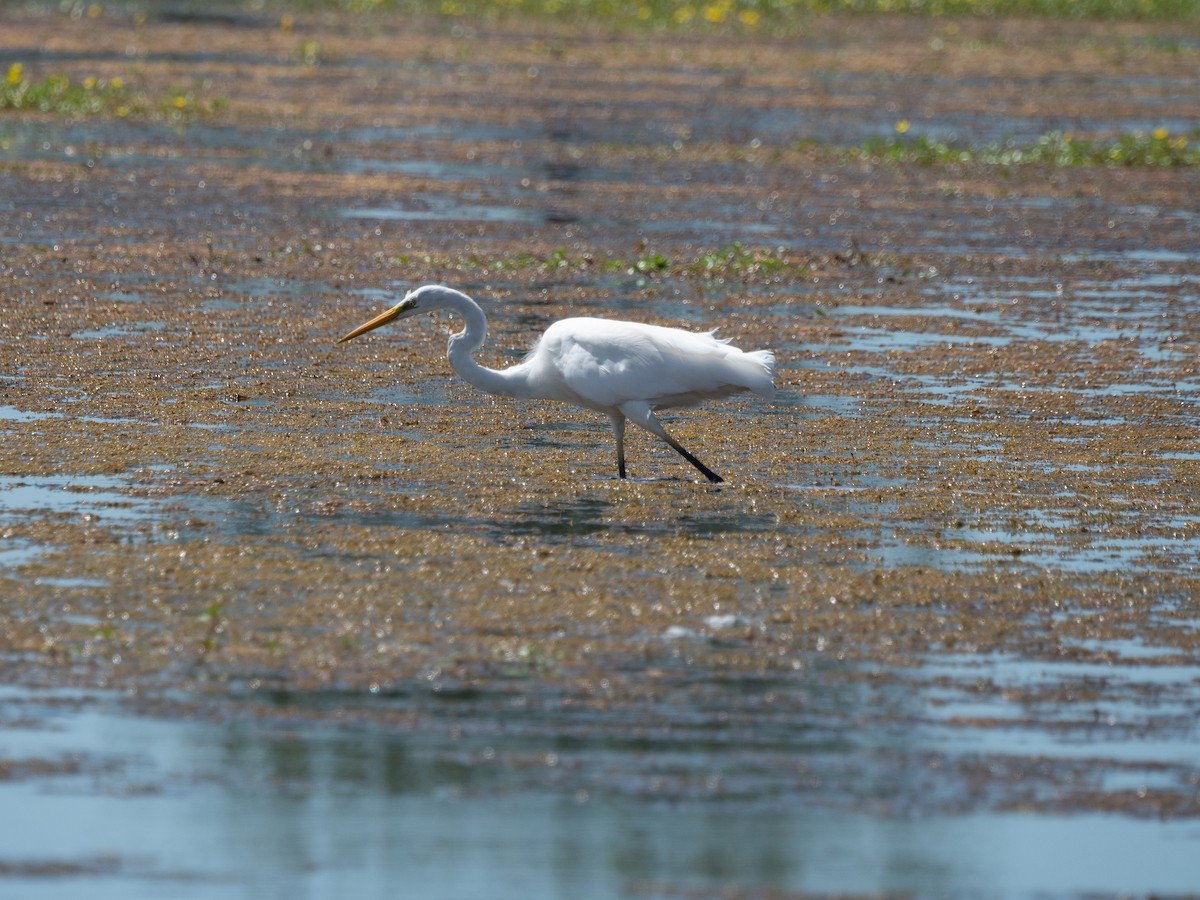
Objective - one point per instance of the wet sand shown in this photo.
(976, 490)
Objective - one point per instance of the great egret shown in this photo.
(624, 369)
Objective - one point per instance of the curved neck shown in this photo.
(511, 382)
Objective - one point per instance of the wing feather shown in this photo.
(602, 363)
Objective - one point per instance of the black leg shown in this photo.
(642, 415)
(618, 423)
(707, 472)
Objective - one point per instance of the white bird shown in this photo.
(624, 369)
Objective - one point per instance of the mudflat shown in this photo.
(970, 513)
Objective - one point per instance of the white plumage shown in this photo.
(626, 370)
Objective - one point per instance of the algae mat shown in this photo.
(952, 574)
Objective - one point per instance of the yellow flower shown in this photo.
(89, 83)
(902, 126)
(16, 74)
(117, 83)
(749, 17)
(1160, 133)
(714, 13)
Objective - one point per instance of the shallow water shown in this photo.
(141, 806)
(93, 496)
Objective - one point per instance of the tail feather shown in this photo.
(757, 368)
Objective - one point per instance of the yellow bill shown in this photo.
(382, 319)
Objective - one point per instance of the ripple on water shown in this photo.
(469, 806)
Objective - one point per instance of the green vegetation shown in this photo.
(753, 14)
(737, 260)
(59, 94)
(1156, 148)
(213, 616)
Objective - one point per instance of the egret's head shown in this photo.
(414, 302)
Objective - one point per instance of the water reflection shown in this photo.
(85, 495)
(192, 809)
